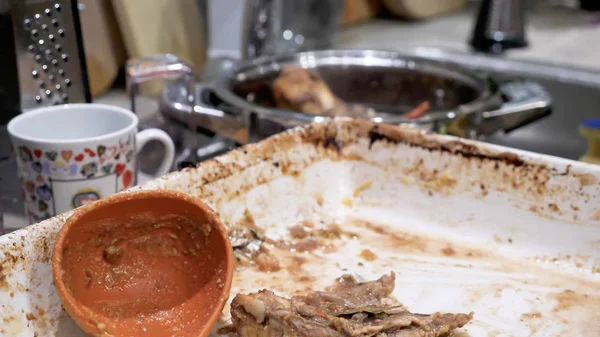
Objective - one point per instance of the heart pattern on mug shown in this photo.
(44, 192)
(29, 186)
(89, 152)
(127, 179)
(110, 166)
(100, 150)
(25, 154)
(106, 153)
(66, 155)
(89, 170)
(51, 155)
(107, 168)
(119, 168)
(36, 166)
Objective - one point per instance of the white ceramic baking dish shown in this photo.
(512, 236)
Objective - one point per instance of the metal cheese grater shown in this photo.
(43, 63)
(50, 55)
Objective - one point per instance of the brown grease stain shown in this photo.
(362, 187)
(6, 265)
(367, 255)
(398, 238)
(587, 179)
(3, 282)
(247, 221)
(531, 315)
(554, 207)
(295, 267)
(320, 199)
(448, 251)
(267, 262)
(568, 299)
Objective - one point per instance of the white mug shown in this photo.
(69, 155)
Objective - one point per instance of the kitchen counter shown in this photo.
(555, 35)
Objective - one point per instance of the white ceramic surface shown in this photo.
(70, 155)
(510, 235)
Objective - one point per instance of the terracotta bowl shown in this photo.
(146, 263)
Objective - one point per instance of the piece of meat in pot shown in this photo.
(304, 90)
(300, 89)
(350, 309)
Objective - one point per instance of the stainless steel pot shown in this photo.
(237, 101)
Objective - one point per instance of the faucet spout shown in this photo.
(499, 25)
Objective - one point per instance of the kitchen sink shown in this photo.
(575, 97)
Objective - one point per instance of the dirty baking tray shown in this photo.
(512, 236)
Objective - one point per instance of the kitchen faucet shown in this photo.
(499, 25)
(274, 27)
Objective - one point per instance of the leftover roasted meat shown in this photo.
(350, 296)
(349, 309)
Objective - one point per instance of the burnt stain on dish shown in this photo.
(467, 151)
(338, 136)
(185, 164)
(339, 133)
(332, 143)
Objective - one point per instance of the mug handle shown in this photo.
(144, 136)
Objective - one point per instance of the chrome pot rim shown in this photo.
(488, 98)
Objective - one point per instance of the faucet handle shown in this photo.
(500, 25)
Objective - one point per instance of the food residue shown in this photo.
(444, 183)
(367, 255)
(554, 207)
(418, 111)
(587, 179)
(347, 201)
(448, 251)
(267, 262)
(568, 299)
(405, 180)
(122, 254)
(362, 187)
(531, 315)
(304, 90)
(298, 232)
